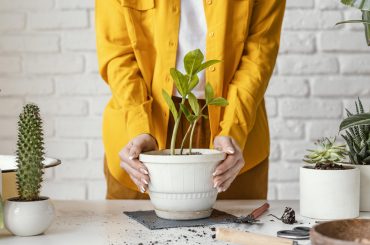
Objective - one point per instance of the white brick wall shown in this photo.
(47, 55)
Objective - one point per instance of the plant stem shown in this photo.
(191, 135)
(185, 136)
(175, 129)
(193, 127)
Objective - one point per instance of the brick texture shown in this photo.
(48, 56)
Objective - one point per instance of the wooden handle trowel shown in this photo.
(248, 238)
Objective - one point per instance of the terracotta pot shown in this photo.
(341, 232)
(181, 186)
(329, 194)
(28, 218)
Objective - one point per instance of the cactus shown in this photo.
(327, 153)
(357, 136)
(30, 153)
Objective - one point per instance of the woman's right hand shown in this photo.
(130, 162)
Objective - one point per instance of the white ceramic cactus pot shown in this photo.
(329, 194)
(31, 218)
(364, 187)
(181, 186)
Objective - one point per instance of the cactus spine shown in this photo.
(30, 153)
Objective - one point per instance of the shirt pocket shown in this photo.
(139, 21)
(241, 10)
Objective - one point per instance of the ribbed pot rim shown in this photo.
(162, 156)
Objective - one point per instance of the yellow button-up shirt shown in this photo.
(137, 42)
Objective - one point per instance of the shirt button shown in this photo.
(171, 43)
(211, 34)
(174, 9)
(209, 2)
(212, 68)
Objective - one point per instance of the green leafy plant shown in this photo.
(30, 153)
(185, 83)
(328, 153)
(364, 6)
(357, 135)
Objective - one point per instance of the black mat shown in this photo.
(150, 220)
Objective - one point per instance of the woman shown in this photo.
(138, 41)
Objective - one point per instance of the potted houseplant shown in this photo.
(181, 179)
(329, 189)
(357, 137)
(29, 214)
(364, 6)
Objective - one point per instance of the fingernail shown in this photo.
(144, 180)
(215, 173)
(230, 150)
(144, 171)
(131, 157)
(223, 190)
(215, 185)
(142, 189)
(219, 190)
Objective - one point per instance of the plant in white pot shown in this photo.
(29, 214)
(364, 6)
(181, 185)
(357, 137)
(329, 189)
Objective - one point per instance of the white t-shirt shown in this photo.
(192, 35)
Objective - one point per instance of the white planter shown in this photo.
(364, 187)
(329, 194)
(28, 218)
(181, 186)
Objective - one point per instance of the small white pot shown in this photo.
(181, 186)
(364, 187)
(31, 218)
(329, 194)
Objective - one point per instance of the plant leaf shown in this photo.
(360, 4)
(192, 61)
(180, 81)
(193, 82)
(207, 64)
(186, 112)
(193, 102)
(170, 104)
(352, 22)
(355, 120)
(219, 101)
(209, 93)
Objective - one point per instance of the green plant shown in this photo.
(364, 6)
(327, 153)
(185, 83)
(357, 134)
(30, 153)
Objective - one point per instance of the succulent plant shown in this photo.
(327, 153)
(357, 135)
(30, 153)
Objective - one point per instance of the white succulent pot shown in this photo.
(28, 218)
(181, 186)
(364, 187)
(329, 194)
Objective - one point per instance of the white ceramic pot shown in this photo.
(28, 218)
(181, 186)
(329, 194)
(364, 187)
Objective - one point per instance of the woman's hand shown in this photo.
(130, 163)
(226, 171)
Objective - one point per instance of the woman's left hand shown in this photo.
(227, 170)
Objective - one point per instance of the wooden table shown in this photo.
(103, 223)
